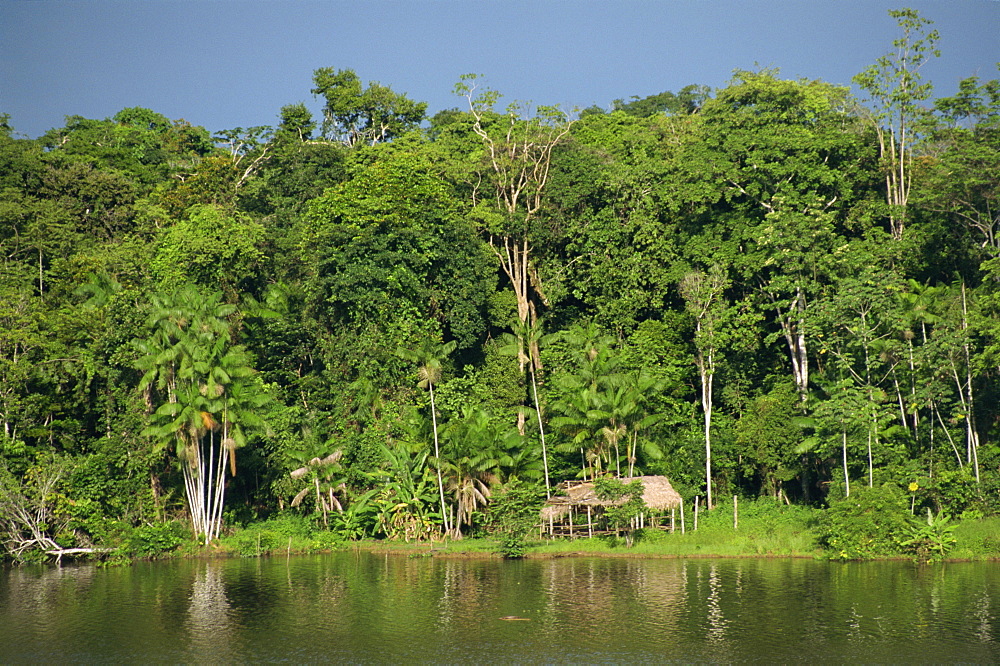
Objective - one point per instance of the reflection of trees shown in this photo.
(468, 593)
(592, 596)
(716, 621)
(208, 623)
(343, 606)
(41, 595)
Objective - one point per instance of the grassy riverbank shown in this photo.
(764, 529)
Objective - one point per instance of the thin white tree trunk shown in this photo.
(847, 477)
(437, 454)
(706, 404)
(541, 433)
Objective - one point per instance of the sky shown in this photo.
(234, 63)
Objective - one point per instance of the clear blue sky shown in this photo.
(229, 63)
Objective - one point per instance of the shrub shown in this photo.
(285, 532)
(153, 540)
(931, 540)
(512, 514)
(872, 522)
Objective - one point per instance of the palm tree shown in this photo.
(321, 475)
(429, 357)
(473, 463)
(524, 344)
(205, 387)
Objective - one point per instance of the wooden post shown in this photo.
(671, 521)
(682, 517)
(590, 525)
(570, 521)
(736, 515)
(696, 502)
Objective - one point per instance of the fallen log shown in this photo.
(59, 552)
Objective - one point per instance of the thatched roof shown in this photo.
(657, 494)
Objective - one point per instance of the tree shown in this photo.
(202, 394)
(626, 504)
(355, 115)
(321, 474)
(30, 515)
(389, 261)
(688, 99)
(477, 449)
(512, 514)
(429, 358)
(525, 346)
(896, 90)
(964, 161)
(857, 319)
(703, 295)
(719, 326)
(518, 158)
(791, 159)
(210, 248)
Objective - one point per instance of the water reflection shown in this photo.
(355, 607)
(208, 623)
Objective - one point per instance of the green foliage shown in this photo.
(283, 533)
(150, 541)
(357, 115)
(768, 431)
(754, 234)
(209, 248)
(207, 398)
(931, 540)
(626, 504)
(512, 515)
(871, 522)
(688, 99)
(391, 261)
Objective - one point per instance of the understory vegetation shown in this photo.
(379, 325)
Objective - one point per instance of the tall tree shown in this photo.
(356, 115)
(200, 389)
(517, 152)
(791, 159)
(963, 178)
(896, 90)
(429, 358)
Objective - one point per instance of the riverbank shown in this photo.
(761, 532)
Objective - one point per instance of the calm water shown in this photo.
(363, 608)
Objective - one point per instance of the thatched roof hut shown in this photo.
(657, 494)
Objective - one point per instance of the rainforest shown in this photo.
(380, 324)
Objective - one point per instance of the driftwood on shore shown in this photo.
(58, 553)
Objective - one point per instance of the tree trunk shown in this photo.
(437, 454)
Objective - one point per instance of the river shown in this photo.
(359, 607)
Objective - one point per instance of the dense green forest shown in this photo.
(383, 320)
